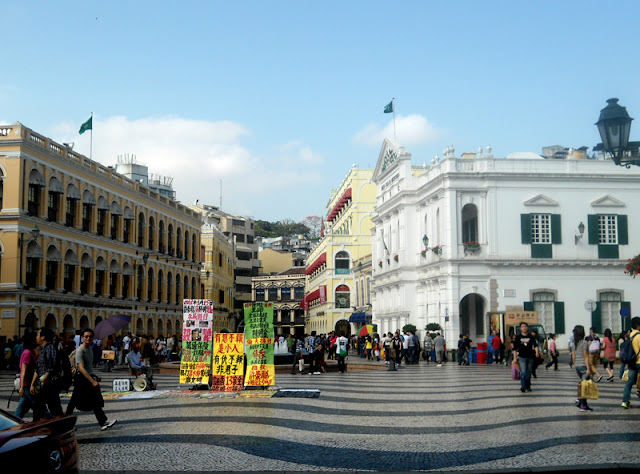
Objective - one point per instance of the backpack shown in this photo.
(72, 363)
(627, 355)
(64, 371)
(594, 346)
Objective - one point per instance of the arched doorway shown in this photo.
(84, 322)
(31, 323)
(150, 330)
(68, 325)
(98, 319)
(139, 327)
(160, 327)
(472, 320)
(50, 322)
(343, 325)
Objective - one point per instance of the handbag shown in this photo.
(625, 375)
(588, 390)
(515, 372)
(343, 353)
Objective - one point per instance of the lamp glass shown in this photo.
(425, 240)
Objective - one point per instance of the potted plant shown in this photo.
(632, 268)
(471, 247)
(380, 263)
(424, 253)
(395, 257)
(437, 249)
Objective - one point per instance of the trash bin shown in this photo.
(472, 355)
(482, 353)
(454, 355)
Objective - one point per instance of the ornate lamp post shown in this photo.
(614, 126)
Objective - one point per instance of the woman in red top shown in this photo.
(609, 346)
(496, 345)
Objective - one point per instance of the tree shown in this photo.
(433, 327)
(314, 223)
(409, 328)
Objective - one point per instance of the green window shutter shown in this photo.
(528, 306)
(596, 319)
(556, 229)
(625, 323)
(525, 226)
(608, 251)
(623, 232)
(594, 237)
(541, 251)
(558, 317)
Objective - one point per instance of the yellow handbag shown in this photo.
(588, 390)
(625, 375)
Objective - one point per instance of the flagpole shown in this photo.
(393, 109)
(91, 140)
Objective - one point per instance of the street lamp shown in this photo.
(425, 240)
(614, 126)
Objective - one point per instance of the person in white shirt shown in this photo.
(342, 351)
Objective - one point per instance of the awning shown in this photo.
(116, 209)
(103, 205)
(34, 251)
(88, 198)
(317, 263)
(71, 258)
(55, 186)
(73, 192)
(359, 317)
(101, 265)
(340, 204)
(86, 262)
(115, 267)
(54, 255)
(36, 178)
(128, 214)
(314, 295)
(127, 270)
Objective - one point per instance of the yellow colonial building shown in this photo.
(80, 242)
(217, 276)
(329, 298)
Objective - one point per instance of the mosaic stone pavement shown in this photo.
(448, 418)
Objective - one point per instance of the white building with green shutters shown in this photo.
(503, 234)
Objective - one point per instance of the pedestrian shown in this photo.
(467, 349)
(170, 343)
(438, 342)
(386, 345)
(633, 367)
(45, 382)
(27, 368)
(311, 349)
(321, 365)
(342, 345)
(427, 346)
(298, 356)
(368, 346)
(415, 357)
(525, 350)
(571, 347)
(582, 363)
(496, 345)
(609, 347)
(553, 352)
(86, 387)
(594, 353)
(396, 347)
(539, 359)
(624, 335)
(461, 349)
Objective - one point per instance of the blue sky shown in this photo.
(279, 99)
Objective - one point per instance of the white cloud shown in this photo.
(410, 130)
(198, 154)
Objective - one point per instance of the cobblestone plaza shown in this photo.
(419, 418)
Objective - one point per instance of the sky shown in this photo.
(275, 101)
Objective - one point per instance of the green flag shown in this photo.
(388, 109)
(88, 125)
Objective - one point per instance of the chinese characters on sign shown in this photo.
(258, 323)
(197, 341)
(121, 385)
(228, 362)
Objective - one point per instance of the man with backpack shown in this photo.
(594, 354)
(630, 354)
(45, 383)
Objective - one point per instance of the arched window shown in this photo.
(178, 295)
(193, 288)
(86, 266)
(187, 293)
(152, 229)
(342, 262)
(127, 273)
(88, 202)
(68, 325)
(103, 208)
(170, 239)
(160, 284)
(162, 247)
(285, 291)
(139, 281)
(53, 204)
(101, 276)
(343, 299)
(169, 287)
(116, 217)
(179, 243)
(70, 264)
(36, 185)
(128, 224)
(114, 270)
(609, 305)
(34, 256)
(469, 223)
(194, 244)
(140, 229)
(54, 258)
(186, 245)
(150, 280)
(73, 197)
